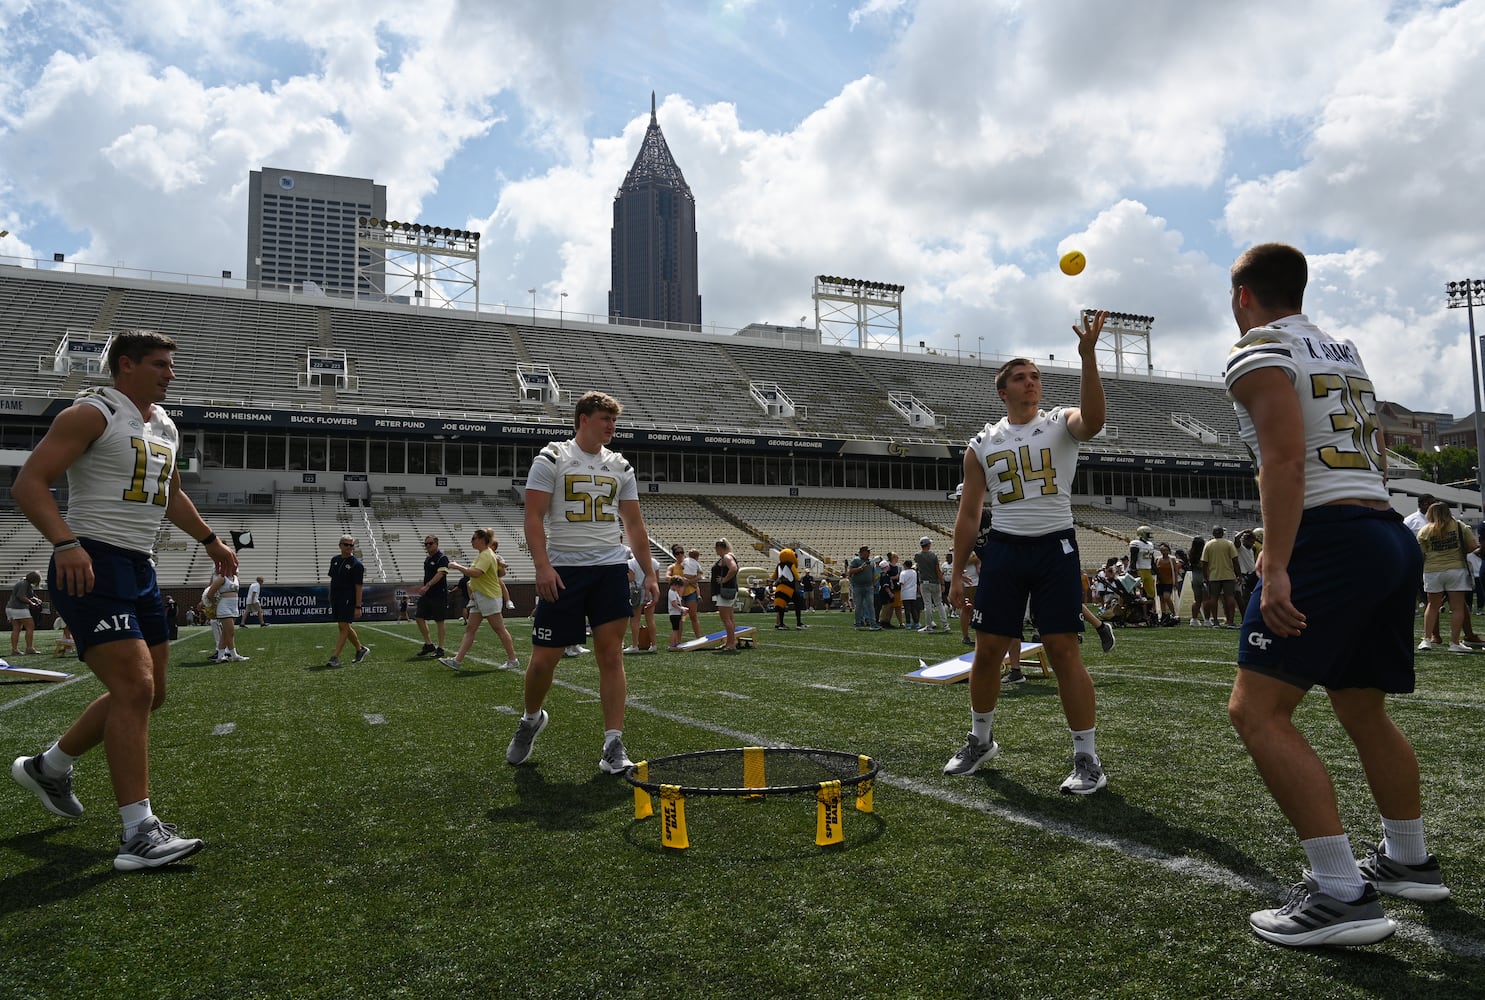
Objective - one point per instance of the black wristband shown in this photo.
(209, 538)
(65, 544)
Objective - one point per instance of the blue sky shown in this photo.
(955, 147)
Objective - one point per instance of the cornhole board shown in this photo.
(10, 672)
(956, 670)
(747, 636)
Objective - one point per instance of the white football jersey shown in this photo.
(583, 527)
(1337, 402)
(118, 488)
(1029, 471)
(1143, 553)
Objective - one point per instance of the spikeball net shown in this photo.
(752, 773)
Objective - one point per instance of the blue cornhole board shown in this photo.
(719, 639)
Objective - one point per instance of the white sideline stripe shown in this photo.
(225, 729)
(505, 710)
(734, 694)
(375, 720)
(81, 676)
(1203, 871)
(831, 687)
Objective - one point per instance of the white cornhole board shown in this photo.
(747, 635)
(9, 671)
(956, 670)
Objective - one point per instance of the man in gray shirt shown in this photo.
(930, 585)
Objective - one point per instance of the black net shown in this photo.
(753, 770)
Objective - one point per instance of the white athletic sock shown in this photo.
(609, 735)
(1402, 840)
(531, 716)
(57, 762)
(1334, 867)
(1084, 742)
(133, 815)
(982, 724)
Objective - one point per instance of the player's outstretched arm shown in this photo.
(1087, 420)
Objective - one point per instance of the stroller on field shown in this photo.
(1129, 604)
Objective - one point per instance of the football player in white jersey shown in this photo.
(1308, 410)
(578, 494)
(224, 590)
(1025, 462)
(118, 449)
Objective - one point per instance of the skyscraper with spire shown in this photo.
(653, 241)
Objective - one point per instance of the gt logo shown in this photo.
(1259, 639)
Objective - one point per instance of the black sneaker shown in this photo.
(362, 654)
(54, 793)
(438, 652)
(428, 647)
(1015, 676)
(1106, 636)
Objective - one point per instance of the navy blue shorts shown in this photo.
(343, 609)
(1042, 568)
(124, 603)
(590, 595)
(1354, 576)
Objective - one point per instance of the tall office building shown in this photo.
(302, 228)
(653, 242)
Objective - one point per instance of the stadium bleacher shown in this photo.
(244, 348)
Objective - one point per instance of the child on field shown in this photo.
(677, 608)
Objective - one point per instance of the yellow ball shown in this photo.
(1073, 262)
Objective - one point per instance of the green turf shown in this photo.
(404, 858)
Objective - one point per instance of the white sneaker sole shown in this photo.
(1352, 933)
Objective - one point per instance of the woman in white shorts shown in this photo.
(724, 593)
(21, 606)
(1445, 543)
(487, 599)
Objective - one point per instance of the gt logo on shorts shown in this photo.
(113, 623)
(1259, 639)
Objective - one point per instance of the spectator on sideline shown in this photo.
(1198, 580)
(433, 602)
(1328, 523)
(102, 581)
(724, 593)
(675, 606)
(969, 574)
(912, 600)
(1031, 551)
(642, 621)
(1416, 520)
(931, 585)
(1219, 570)
(1166, 569)
(1445, 543)
(254, 604)
(1247, 566)
(863, 580)
(347, 575)
(223, 592)
(21, 608)
(487, 596)
(582, 501)
(688, 567)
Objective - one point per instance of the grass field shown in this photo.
(365, 837)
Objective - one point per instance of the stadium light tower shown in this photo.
(1467, 295)
(871, 310)
(1123, 334)
(420, 256)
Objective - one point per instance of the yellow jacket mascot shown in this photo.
(785, 582)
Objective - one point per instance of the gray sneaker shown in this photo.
(452, 663)
(614, 760)
(1421, 882)
(520, 747)
(154, 845)
(1106, 636)
(970, 756)
(1087, 776)
(332, 663)
(1310, 917)
(54, 793)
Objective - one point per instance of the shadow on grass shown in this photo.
(1108, 812)
(65, 871)
(560, 807)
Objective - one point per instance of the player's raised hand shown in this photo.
(1089, 331)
